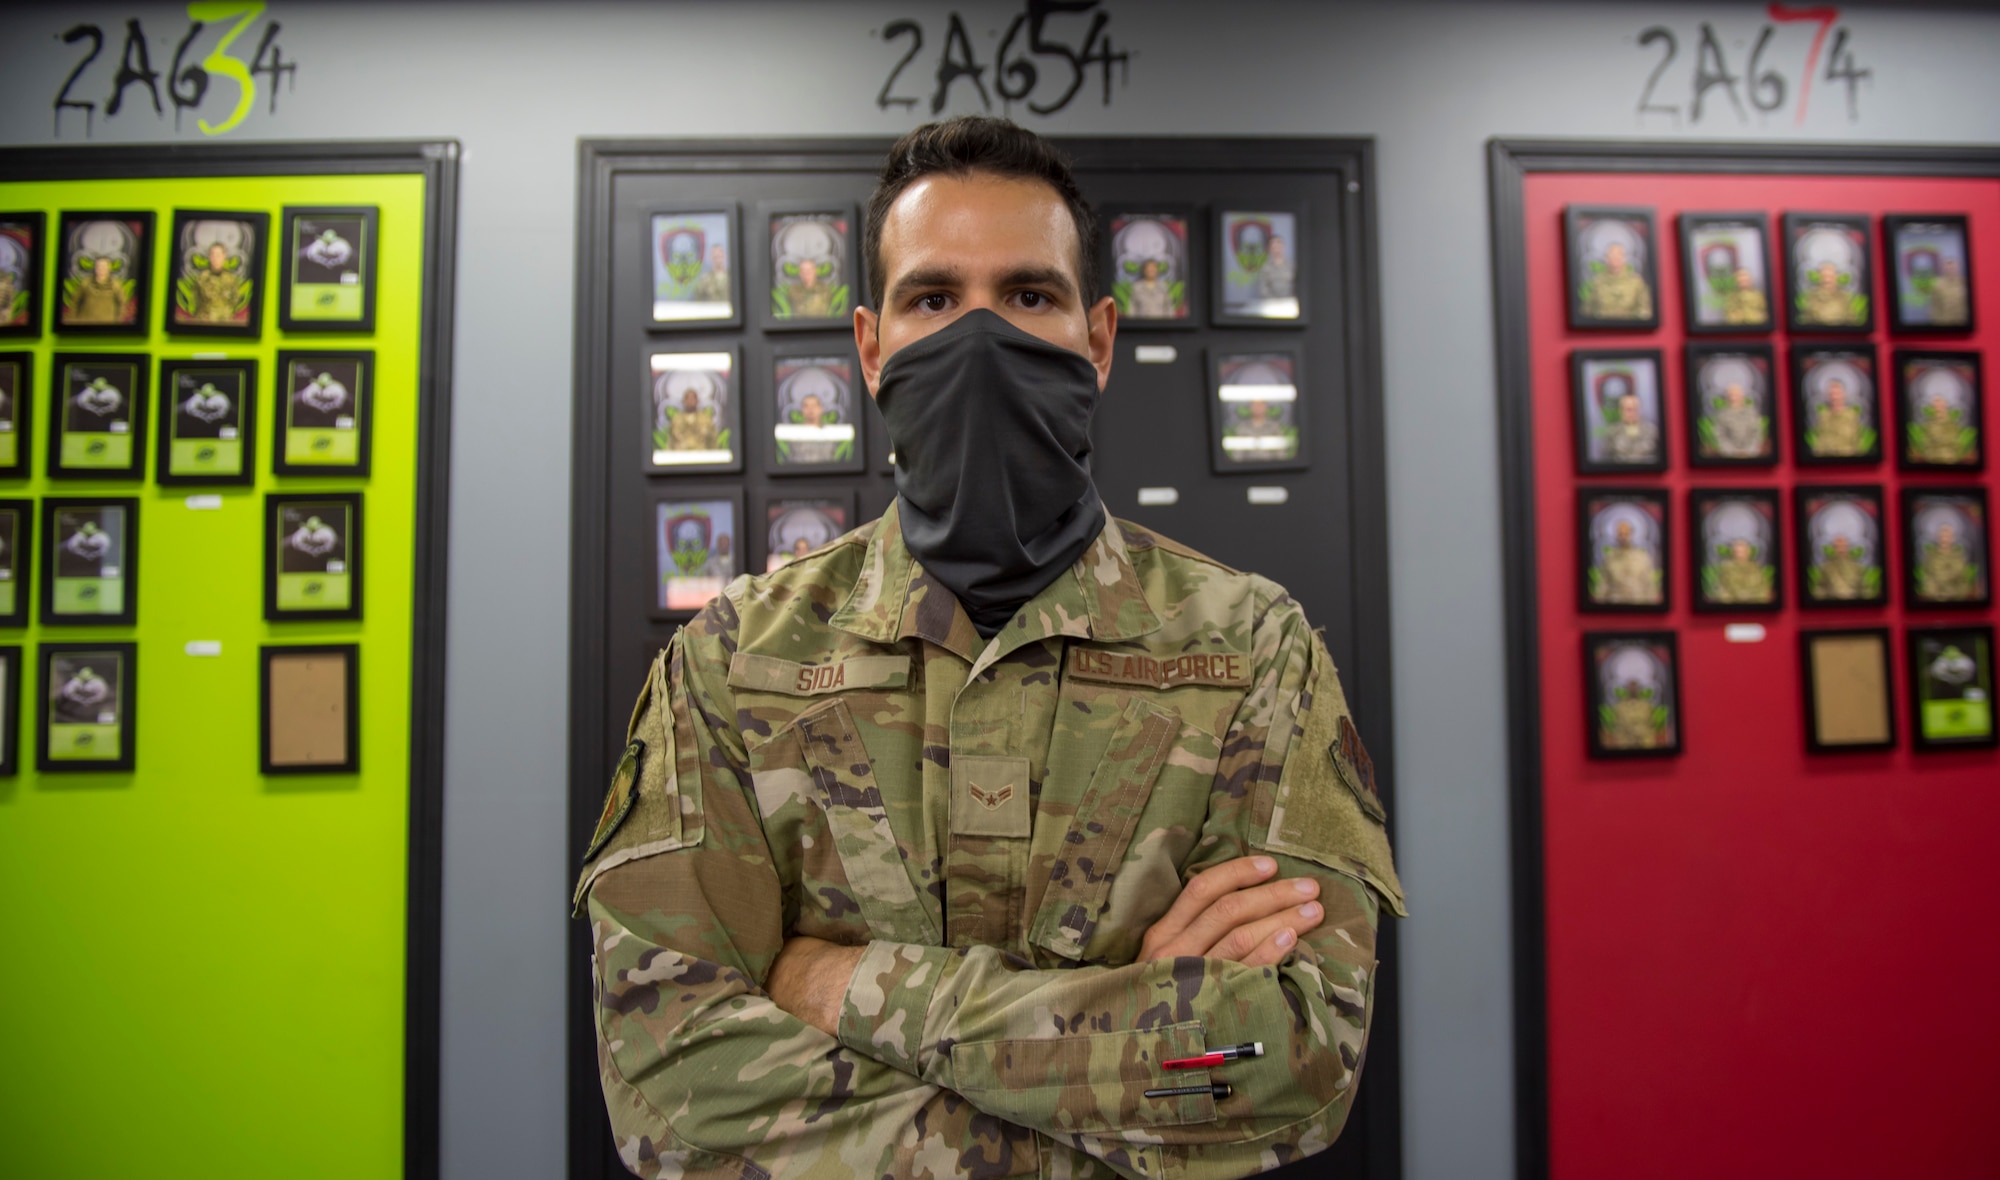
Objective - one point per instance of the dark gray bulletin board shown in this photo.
(1326, 543)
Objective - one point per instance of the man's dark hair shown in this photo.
(978, 143)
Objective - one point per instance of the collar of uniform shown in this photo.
(893, 598)
(1101, 599)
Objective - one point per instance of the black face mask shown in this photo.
(992, 434)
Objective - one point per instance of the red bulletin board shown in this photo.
(1757, 961)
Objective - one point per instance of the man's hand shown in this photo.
(1232, 912)
(809, 979)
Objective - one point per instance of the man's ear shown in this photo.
(868, 342)
(1103, 317)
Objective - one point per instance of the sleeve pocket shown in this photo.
(1087, 1084)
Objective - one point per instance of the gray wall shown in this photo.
(1431, 81)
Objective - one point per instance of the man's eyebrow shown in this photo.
(1040, 276)
(928, 276)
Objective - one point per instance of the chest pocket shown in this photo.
(871, 858)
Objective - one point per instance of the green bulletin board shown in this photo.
(218, 971)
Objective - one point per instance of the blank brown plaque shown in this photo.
(1847, 690)
(309, 710)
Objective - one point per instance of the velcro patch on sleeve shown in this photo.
(771, 674)
(1230, 669)
(1356, 768)
(619, 799)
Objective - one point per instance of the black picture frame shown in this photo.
(314, 392)
(1596, 377)
(1716, 251)
(196, 436)
(314, 272)
(285, 515)
(662, 521)
(349, 655)
(1600, 648)
(1925, 437)
(11, 670)
(17, 414)
(1826, 435)
(1590, 233)
(1811, 651)
(1813, 242)
(1606, 519)
(1946, 687)
(61, 585)
(196, 231)
(84, 241)
(799, 373)
(771, 506)
(1753, 516)
(715, 377)
(662, 227)
(17, 561)
(782, 274)
(1126, 228)
(75, 393)
(124, 656)
(1230, 433)
(1830, 522)
(1711, 372)
(1943, 585)
(1239, 277)
(1918, 302)
(25, 235)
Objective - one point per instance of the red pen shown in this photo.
(1217, 1056)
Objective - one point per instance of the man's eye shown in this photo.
(933, 302)
(1032, 299)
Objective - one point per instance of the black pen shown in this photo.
(1216, 1090)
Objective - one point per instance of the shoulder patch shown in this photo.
(619, 799)
(1168, 544)
(1356, 768)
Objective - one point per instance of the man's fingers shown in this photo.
(1203, 889)
(1273, 950)
(1242, 908)
(1245, 943)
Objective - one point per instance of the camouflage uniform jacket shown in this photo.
(831, 750)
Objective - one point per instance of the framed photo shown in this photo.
(1256, 416)
(1618, 411)
(312, 556)
(796, 525)
(87, 718)
(98, 429)
(1951, 687)
(104, 280)
(1622, 547)
(1843, 547)
(1148, 266)
(1726, 272)
(17, 400)
(17, 560)
(697, 548)
(1947, 551)
(1734, 534)
(328, 277)
(694, 414)
(309, 709)
(1848, 698)
(1257, 275)
(325, 423)
(810, 263)
(21, 237)
(1632, 691)
(1613, 266)
(10, 710)
(218, 273)
(90, 561)
(1930, 261)
(1836, 404)
(207, 422)
(1940, 411)
(695, 264)
(1827, 273)
(1732, 406)
(816, 412)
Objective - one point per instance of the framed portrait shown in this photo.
(217, 279)
(1622, 548)
(1619, 414)
(1842, 546)
(1848, 698)
(325, 417)
(1828, 282)
(1732, 406)
(328, 276)
(1940, 411)
(693, 279)
(697, 548)
(1258, 279)
(98, 427)
(1148, 266)
(1726, 272)
(1930, 261)
(694, 415)
(21, 237)
(90, 561)
(17, 400)
(106, 268)
(312, 556)
(1951, 687)
(816, 412)
(1947, 549)
(1735, 537)
(1836, 404)
(10, 710)
(810, 262)
(17, 549)
(1632, 691)
(1613, 267)
(309, 708)
(796, 525)
(87, 716)
(1256, 416)
(207, 422)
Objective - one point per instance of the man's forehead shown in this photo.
(942, 214)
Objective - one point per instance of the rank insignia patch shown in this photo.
(1356, 768)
